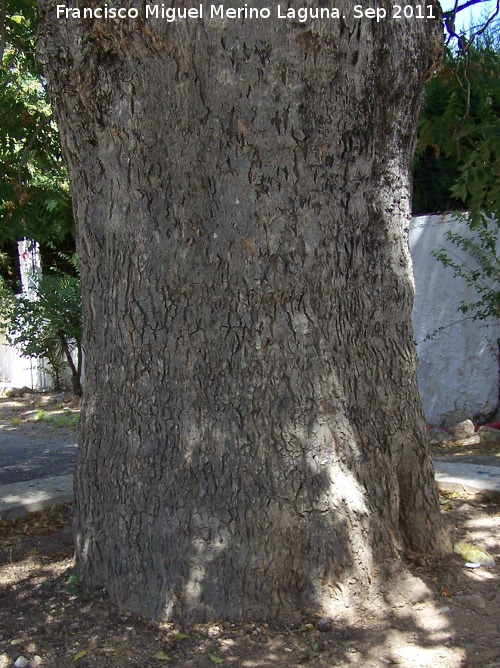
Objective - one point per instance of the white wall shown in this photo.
(21, 371)
(15, 370)
(458, 370)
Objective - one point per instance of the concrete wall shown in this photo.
(458, 370)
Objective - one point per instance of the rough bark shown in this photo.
(252, 438)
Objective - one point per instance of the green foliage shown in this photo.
(458, 154)
(73, 587)
(6, 302)
(48, 323)
(66, 420)
(34, 200)
(483, 276)
(34, 194)
(457, 164)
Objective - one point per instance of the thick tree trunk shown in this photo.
(252, 438)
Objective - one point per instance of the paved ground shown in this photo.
(17, 499)
(471, 477)
(37, 460)
(20, 498)
(36, 451)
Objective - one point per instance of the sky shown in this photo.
(472, 15)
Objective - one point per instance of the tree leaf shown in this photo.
(162, 656)
(80, 655)
(179, 636)
(216, 659)
(307, 628)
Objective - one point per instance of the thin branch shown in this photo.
(449, 22)
(28, 148)
(437, 331)
(485, 27)
(458, 8)
(463, 263)
(464, 44)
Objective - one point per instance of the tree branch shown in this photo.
(463, 41)
(458, 8)
(484, 27)
(437, 331)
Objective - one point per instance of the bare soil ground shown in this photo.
(49, 620)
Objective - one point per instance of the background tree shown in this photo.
(458, 165)
(47, 323)
(458, 154)
(252, 439)
(34, 193)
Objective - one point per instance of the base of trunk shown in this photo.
(206, 542)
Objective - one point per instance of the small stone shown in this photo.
(463, 430)
(44, 400)
(324, 624)
(488, 435)
(18, 392)
(63, 398)
(20, 662)
(213, 632)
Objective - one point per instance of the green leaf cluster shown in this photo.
(483, 275)
(457, 165)
(34, 194)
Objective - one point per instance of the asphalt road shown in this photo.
(35, 451)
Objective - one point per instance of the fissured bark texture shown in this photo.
(252, 440)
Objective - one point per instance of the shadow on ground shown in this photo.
(46, 617)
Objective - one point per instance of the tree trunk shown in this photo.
(75, 369)
(252, 438)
